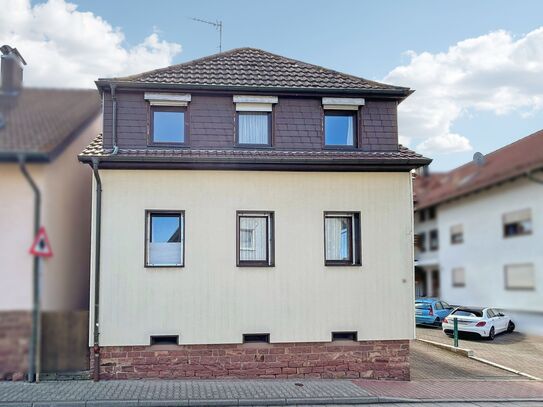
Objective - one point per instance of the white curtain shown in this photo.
(350, 131)
(253, 242)
(337, 238)
(253, 128)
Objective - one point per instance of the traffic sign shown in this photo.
(41, 246)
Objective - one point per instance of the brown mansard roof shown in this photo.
(514, 160)
(39, 122)
(403, 158)
(257, 69)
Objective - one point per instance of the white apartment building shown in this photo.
(481, 227)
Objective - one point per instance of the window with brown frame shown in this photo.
(253, 129)
(255, 238)
(165, 239)
(340, 128)
(342, 245)
(168, 125)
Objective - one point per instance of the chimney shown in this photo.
(12, 70)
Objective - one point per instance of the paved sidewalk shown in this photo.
(180, 392)
(455, 390)
(260, 392)
(515, 350)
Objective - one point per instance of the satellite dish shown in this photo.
(479, 159)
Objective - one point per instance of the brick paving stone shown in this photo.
(134, 390)
(455, 389)
(432, 363)
(515, 350)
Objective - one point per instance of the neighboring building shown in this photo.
(41, 130)
(254, 209)
(489, 219)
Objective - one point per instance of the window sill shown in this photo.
(254, 264)
(168, 145)
(164, 266)
(341, 264)
(252, 146)
(341, 147)
(517, 235)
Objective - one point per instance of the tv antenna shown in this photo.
(218, 26)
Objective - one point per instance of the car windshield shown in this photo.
(468, 313)
(422, 305)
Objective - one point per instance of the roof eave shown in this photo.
(363, 164)
(29, 156)
(398, 93)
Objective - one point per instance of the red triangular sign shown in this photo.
(41, 246)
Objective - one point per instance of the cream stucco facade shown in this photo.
(65, 187)
(210, 300)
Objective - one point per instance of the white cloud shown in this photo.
(492, 73)
(65, 47)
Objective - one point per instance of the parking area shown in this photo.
(514, 350)
(432, 363)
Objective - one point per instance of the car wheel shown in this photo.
(437, 322)
(511, 326)
(491, 334)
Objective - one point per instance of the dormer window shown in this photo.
(340, 122)
(168, 122)
(168, 125)
(254, 120)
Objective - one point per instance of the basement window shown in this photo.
(256, 338)
(164, 339)
(348, 336)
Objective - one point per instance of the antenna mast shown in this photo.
(218, 26)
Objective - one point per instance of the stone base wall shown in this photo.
(15, 331)
(327, 360)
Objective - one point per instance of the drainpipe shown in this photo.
(34, 340)
(97, 238)
(114, 119)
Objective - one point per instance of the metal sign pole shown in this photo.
(455, 323)
(38, 322)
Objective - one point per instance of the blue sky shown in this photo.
(365, 38)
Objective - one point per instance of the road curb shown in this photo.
(471, 354)
(462, 351)
(261, 402)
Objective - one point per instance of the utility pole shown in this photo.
(218, 26)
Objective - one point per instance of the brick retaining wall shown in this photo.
(15, 330)
(339, 359)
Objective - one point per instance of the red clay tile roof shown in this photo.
(402, 156)
(41, 120)
(255, 68)
(508, 162)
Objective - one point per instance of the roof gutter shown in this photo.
(97, 241)
(29, 157)
(113, 87)
(401, 93)
(34, 340)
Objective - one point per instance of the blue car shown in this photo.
(431, 311)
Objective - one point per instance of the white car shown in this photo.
(487, 322)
